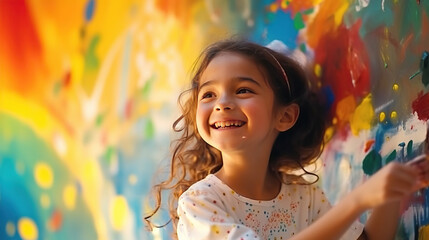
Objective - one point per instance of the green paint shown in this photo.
(149, 131)
(298, 22)
(410, 148)
(391, 157)
(91, 60)
(371, 163)
(57, 87)
(147, 86)
(99, 120)
(108, 155)
(303, 48)
(308, 11)
(412, 23)
(271, 16)
(372, 17)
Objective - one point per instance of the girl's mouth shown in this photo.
(227, 124)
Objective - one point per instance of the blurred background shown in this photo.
(88, 94)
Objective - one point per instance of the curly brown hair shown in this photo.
(193, 159)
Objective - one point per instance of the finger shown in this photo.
(404, 177)
(423, 163)
(420, 185)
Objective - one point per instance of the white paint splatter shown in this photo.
(412, 130)
(362, 4)
(383, 106)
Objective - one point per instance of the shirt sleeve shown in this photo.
(203, 216)
(321, 205)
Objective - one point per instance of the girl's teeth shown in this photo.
(228, 124)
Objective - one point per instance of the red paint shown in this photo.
(21, 52)
(129, 107)
(421, 106)
(369, 144)
(67, 79)
(345, 64)
(56, 220)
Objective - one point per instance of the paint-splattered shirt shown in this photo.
(209, 209)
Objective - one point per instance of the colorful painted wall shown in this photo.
(88, 93)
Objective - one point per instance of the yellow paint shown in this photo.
(382, 116)
(118, 212)
(328, 134)
(424, 232)
(27, 229)
(10, 229)
(39, 119)
(393, 115)
(338, 15)
(69, 196)
(45, 201)
(215, 229)
(284, 4)
(318, 70)
(43, 175)
(273, 7)
(395, 87)
(77, 67)
(363, 116)
(28, 111)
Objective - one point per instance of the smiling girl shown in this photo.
(248, 121)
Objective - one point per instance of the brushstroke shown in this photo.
(89, 10)
(371, 163)
(421, 106)
(91, 87)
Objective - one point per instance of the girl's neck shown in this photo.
(249, 176)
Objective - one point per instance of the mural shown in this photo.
(88, 94)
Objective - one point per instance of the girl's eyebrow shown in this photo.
(235, 79)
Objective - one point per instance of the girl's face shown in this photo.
(235, 104)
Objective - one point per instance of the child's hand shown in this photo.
(421, 164)
(393, 182)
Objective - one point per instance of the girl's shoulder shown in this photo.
(294, 183)
(207, 186)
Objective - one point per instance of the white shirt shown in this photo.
(209, 209)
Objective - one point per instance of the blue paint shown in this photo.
(20, 195)
(329, 97)
(89, 10)
(373, 17)
(275, 26)
(17, 199)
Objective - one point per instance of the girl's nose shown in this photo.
(224, 103)
(219, 108)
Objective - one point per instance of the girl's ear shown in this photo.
(287, 117)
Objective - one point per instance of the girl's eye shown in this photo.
(207, 95)
(244, 90)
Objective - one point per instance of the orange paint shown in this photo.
(56, 220)
(326, 21)
(345, 109)
(369, 144)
